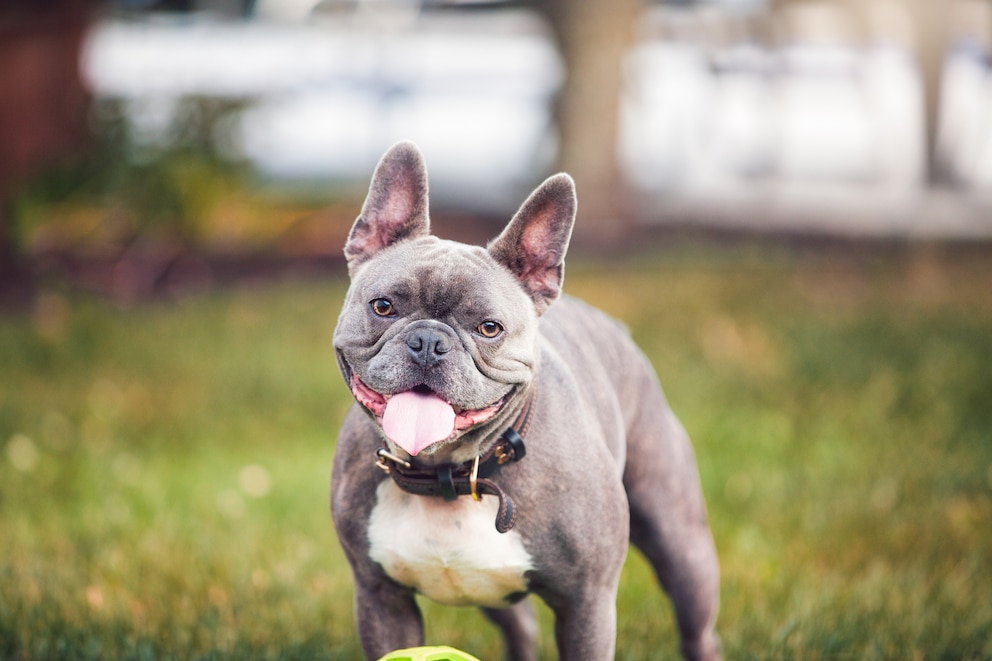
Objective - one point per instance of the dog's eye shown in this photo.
(382, 307)
(490, 329)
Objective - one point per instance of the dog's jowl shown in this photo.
(505, 439)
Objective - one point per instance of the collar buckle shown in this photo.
(510, 448)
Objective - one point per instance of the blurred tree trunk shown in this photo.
(42, 98)
(930, 19)
(929, 41)
(594, 37)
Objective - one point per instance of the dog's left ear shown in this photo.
(395, 208)
(533, 245)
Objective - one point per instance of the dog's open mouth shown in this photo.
(418, 418)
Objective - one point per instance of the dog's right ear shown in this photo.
(395, 208)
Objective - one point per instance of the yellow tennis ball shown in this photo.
(437, 653)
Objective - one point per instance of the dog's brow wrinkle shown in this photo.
(441, 301)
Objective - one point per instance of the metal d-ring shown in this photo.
(383, 454)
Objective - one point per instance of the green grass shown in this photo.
(164, 469)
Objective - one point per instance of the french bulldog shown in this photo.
(505, 439)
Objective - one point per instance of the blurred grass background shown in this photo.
(164, 467)
(166, 437)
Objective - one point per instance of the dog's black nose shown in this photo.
(428, 345)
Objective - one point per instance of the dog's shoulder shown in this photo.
(572, 312)
(577, 328)
(597, 349)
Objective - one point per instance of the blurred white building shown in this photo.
(711, 111)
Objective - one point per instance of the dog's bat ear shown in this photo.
(533, 245)
(395, 208)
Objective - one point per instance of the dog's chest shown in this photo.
(448, 551)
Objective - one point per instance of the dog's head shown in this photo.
(438, 339)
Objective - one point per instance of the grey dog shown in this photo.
(505, 439)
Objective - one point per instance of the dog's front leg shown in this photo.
(388, 618)
(586, 627)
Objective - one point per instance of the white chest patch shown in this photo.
(448, 551)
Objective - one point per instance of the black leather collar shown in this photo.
(470, 478)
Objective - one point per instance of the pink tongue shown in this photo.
(414, 420)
